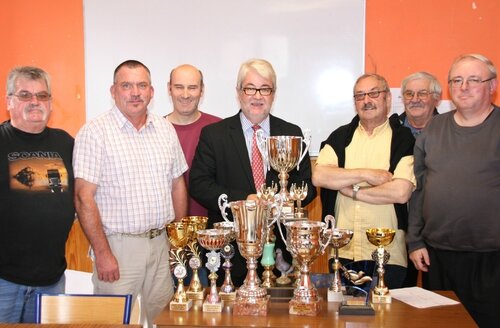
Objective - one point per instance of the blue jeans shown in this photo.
(17, 302)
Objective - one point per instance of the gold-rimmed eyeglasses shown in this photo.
(421, 94)
(27, 96)
(372, 94)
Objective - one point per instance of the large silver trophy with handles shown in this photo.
(283, 154)
(252, 219)
(306, 240)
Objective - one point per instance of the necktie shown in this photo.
(257, 164)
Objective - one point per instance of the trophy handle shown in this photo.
(330, 219)
(262, 145)
(325, 236)
(307, 141)
(223, 205)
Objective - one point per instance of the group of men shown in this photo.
(432, 178)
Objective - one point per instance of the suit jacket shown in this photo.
(221, 165)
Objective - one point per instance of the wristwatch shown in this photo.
(355, 189)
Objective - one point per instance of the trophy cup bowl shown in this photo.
(227, 291)
(195, 223)
(340, 238)
(179, 237)
(251, 224)
(213, 240)
(380, 237)
(306, 240)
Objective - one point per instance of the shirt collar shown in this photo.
(247, 125)
(123, 122)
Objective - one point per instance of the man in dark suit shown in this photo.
(222, 163)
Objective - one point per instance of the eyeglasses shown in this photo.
(472, 82)
(422, 94)
(371, 94)
(27, 96)
(262, 91)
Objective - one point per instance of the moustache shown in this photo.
(415, 105)
(369, 106)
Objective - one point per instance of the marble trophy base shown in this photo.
(381, 299)
(308, 309)
(196, 295)
(259, 307)
(227, 296)
(181, 306)
(334, 296)
(213, 307)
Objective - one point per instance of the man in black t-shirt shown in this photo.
(36, 197)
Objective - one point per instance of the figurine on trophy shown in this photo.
(195, 223)
(284, 268)
(251, 223)
(380, 237)
(213, 240)
(227, 291)
(340, 238)
(178, 237)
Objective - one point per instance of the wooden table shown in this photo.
(396, 314)
(74, 325)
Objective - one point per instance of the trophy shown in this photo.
(298, 194)
(195, 223)
(251, 227)
(306, 240)
(340, 238)
(283, 154)
(380, 237)
(268, 277)
(179, 237)
(213, 240)
(227, 291)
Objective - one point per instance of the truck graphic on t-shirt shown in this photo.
(54, 180)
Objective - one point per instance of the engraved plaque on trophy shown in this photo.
(380, 237)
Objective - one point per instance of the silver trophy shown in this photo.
(283, 154)
(306, 240)
(227, 291)
(252, 219)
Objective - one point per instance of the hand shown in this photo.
(377, 177)
(107, 267)
(420, 259)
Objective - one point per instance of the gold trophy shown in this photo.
(195, 223)
(251, 227)
(268, 277)
(213, 240)
(298, 194)
(227, 291)
(179, 237)
(283, 154)
(306, 240)
(380, 237)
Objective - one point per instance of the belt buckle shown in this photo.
(153, 233)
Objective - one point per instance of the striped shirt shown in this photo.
(133, 170)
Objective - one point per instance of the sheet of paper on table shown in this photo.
(421, 298)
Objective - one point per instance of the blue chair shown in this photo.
(82, 309)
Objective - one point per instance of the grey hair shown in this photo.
(261, 66)
(26, 72)
(434, 85)
(482, 58)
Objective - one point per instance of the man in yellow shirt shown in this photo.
(365, 170)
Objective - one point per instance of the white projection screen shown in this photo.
(315, 46)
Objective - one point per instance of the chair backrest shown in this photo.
(79, 308)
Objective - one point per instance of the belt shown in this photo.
(150, 234)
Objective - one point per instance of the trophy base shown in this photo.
(258, 308)
(196, 295)
(181, 306)
(213, 307)
(335, 296)
(227, 296)
(381, 299)
(309, 309)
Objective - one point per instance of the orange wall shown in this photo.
(48, 34)
(406, 36)
(402, 36)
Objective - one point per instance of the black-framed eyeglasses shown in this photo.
(472, 82)
(421, 94)
(263, 91)
(27, 96)
(372, 94)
